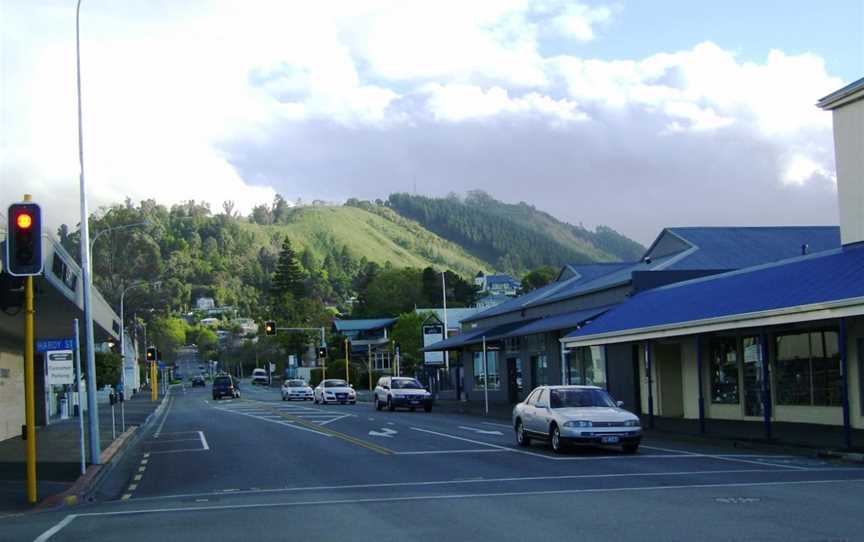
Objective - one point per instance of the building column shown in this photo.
(844, 386)
(648, 371)
(766, 385)
(701, 385)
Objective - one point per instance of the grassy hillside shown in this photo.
(379, 236)
(513, 237)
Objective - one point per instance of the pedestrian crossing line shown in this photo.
(125, 497)
(138, 477)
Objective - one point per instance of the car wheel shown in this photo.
(427, 408)
(390, 406)
(555, 439)
(353, 402)
(630, 448)
(521, 438)
(283, 397)
(377, 403)
(413, 409)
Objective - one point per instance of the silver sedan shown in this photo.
(566, 415)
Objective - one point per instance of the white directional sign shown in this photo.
(481, 431)
(59, 366)
(385, 432)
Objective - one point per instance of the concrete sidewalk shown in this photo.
(58, 456)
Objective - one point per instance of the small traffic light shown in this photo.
(270, 327)
(24, 240)
(322, 352)
(151, 354)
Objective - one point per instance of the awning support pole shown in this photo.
(844, 375)
(700, 384)
(650, 385)
(766, 388)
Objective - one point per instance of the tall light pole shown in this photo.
(444, 296)
(92, 407)
(115, 228)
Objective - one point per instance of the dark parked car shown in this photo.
(198, 381)
(224, 386)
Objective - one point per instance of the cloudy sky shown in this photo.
(633, 114)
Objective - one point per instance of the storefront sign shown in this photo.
(431, 335)
(44, 345)
(60, 369)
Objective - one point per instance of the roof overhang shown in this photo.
(848, 94)
(787, 315)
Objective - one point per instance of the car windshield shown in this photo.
(335, 384)
(580, 398)
(222, 381)
(405, 384)
(296, 384)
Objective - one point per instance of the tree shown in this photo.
(391, 292)
(107, 369)
(288, 277)
(408, 333)
(538, 278)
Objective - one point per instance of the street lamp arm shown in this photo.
(115, 228)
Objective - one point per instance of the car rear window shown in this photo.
(296, 384)
(222, 381)
(335, 384)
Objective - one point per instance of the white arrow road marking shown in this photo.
(385, 432)
(481, 431)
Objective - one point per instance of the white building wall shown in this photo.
(849, 153)
(11, 393)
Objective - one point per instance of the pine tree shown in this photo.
(288, 277)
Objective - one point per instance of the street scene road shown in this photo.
(260, 468)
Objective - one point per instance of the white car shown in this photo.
(296, 389)
(575, 415)
(392, 392)
(259, 377)
(334, 391)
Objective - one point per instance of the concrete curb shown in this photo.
(854, 457)
(88, 483)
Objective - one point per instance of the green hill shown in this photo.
(380, 235)
(513, 237)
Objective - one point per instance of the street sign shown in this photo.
(60, 369)
(431, 335)
(44, 345)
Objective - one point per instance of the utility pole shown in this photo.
(485, 379)
(30, 387)
(346, 362)
(86, 278)
(369, 366)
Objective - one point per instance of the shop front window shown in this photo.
(808, 369)
(539, 370)
(724, 371)
(586, 365)
(490, 373)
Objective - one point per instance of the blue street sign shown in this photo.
(161, 365)
(44, 345)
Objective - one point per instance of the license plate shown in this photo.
(609, 440)
(415, 402)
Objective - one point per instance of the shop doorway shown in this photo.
(669, 379)
(514, 380)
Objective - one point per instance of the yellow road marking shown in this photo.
(132, 487)
(323, 429)
(138, 477)
(125, 497)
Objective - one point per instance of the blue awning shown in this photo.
(567, 321)
(475, 336)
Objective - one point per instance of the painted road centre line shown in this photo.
(499, 480)
(420, 498)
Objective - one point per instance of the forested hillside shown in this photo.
(513, 237)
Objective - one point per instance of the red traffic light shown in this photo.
(24, 221)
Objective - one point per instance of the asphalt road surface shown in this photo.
(259, 468)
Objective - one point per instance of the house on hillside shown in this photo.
(525, 331)
(205, 303)
(497, 284)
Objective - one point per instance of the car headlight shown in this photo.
(631, 423)
(578, 423)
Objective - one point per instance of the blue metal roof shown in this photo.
(502, 279)
(740, 247)
(566, 321)
(366, 324)
(474, 336)
(829, 276)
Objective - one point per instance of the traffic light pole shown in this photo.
(29, 389)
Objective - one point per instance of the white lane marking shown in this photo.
(146, 455)
(435, 452)
(725, 458)
(335, 419)
(286, 423)
(138, 477)
(203, 440)
(178, 451)
(491, 480)
(179, 432)
(499, 424)
(164, 417)
(379, 500)
(480, 431)
(56, 529)
(385, 432)
(161, 441)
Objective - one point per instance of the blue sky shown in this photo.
(834, 30)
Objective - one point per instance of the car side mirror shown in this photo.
(620, 404)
